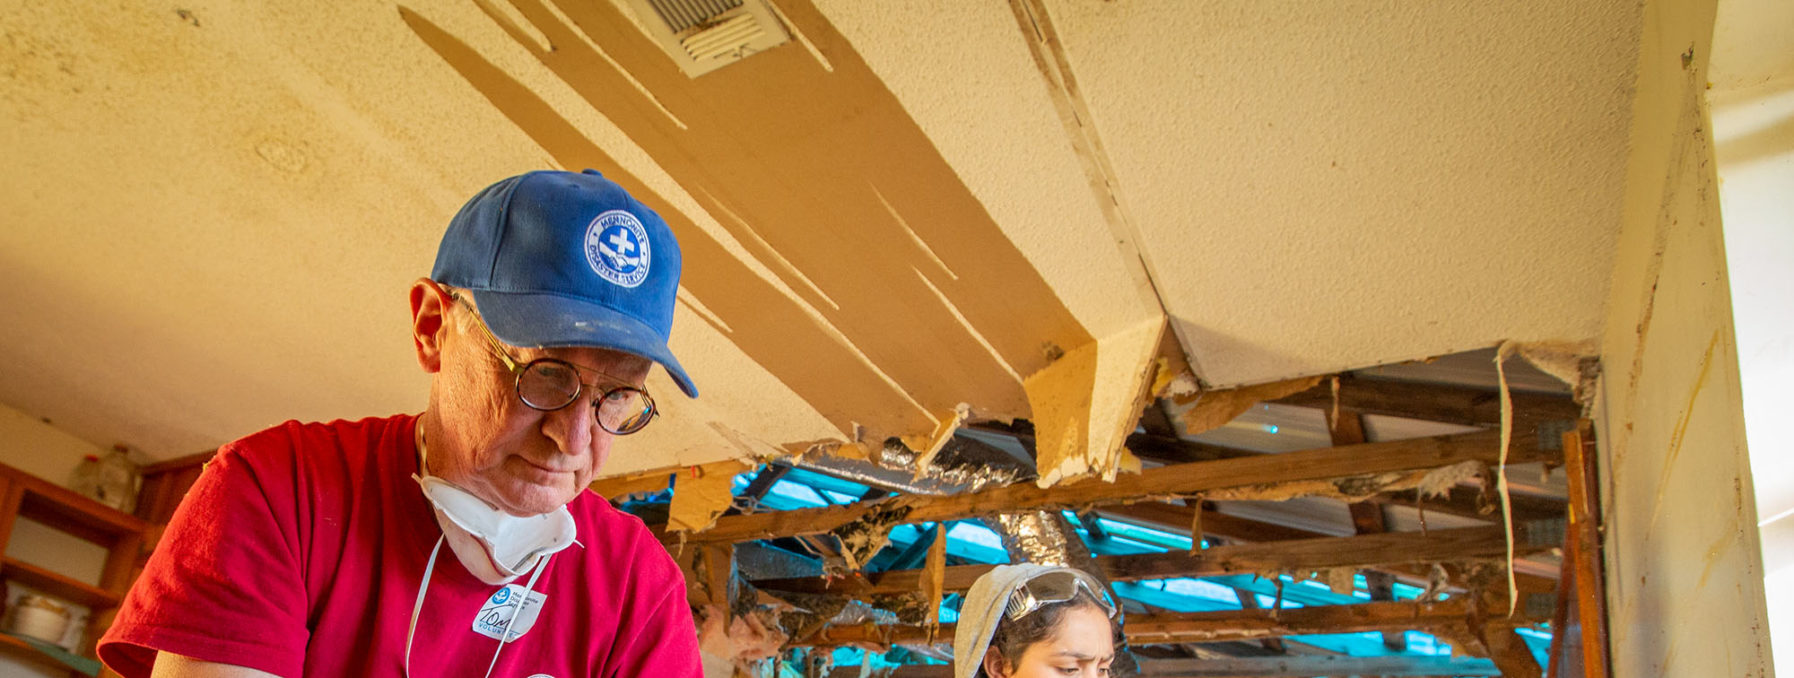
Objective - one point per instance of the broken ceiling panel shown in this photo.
(1300, 553)
(701, 493)
(1085, 404)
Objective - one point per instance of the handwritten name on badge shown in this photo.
(500, 611)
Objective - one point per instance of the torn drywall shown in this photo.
(1085, 404)
(701, 493)
(1576, 364)
(1572, 364)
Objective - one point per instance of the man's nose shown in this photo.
(573, 427)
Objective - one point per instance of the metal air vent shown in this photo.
(704, 35)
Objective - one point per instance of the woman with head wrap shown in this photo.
(1030, 621)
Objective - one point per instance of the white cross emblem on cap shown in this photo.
(617, 248)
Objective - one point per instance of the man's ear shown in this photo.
(994, 664)
(429, 321)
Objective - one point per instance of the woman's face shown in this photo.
(1081, 645)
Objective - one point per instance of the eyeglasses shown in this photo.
(1056, 586)
(549, 384)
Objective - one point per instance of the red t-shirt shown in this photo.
(300, 549)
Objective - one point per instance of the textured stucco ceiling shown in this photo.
(1369, 181)
(214, 209)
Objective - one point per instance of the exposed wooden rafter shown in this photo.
(1449, 617)
(1469, 502)
(1444, 403)
(1156, 443)
(1249, 601)
(1346, 427)
(1305, 555)
(1185, 479)
(1306, 666)
(1581, 644)
(1177, 519)
(1260, 667)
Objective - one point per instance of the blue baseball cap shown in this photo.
(557, 259)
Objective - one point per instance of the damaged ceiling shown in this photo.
(902, 219)
(1359, 532)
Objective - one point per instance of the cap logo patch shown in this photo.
(617, 248)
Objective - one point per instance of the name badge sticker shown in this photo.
(500, 611)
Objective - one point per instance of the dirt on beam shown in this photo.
(1307, 666)
(1449, 617)
(1299, 556)
(1433, 402)
(1179, 519)
(1256, 667)
(1350, 466)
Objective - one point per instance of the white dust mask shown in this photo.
(496, 547)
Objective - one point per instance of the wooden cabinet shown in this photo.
(122, 535)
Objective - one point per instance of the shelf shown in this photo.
(71, 512)
(57, 657)
(23, 496)
(58, 585)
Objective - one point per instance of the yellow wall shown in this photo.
(1685, 584)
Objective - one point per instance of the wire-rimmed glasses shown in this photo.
(549, 384)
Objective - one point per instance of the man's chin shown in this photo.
(535, 500)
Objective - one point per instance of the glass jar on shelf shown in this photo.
(110, 479)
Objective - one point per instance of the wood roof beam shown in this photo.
(1452, 617)
(1467, 502)
(1256, 667)
(1177, 519)
(1305, 555)
(1156, 443)
(1447, 403)
(1180, 480)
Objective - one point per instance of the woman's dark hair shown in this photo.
(1013, 637)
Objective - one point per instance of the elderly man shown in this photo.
(318, 549)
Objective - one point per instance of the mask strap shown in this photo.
(505, 637)
(419, 605)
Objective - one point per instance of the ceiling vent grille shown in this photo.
(704, 35)
(683, 14)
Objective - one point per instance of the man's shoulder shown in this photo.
(318, 454)
(619, 532)
(298, 437)
(608, 521)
